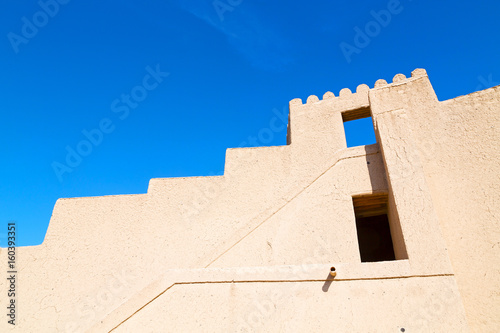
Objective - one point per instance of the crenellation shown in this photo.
(328, 95)
(398, 78)
(380, 83)
(362, 88)
(295, 101)
(345, 93)
(312, 99)
(418, 72)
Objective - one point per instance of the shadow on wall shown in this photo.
(328, 282)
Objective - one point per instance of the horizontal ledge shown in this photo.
(312, 272)
(398, 269)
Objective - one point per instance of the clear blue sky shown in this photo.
(68, 68)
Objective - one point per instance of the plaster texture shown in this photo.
(252, 250)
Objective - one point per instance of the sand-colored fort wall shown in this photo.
(251, 250)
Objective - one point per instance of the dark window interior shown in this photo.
(372, 225)
(374, 238)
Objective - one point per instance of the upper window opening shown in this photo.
(358, 128)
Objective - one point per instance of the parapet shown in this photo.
(358, 99)
(308, 120)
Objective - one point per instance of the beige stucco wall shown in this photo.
(461, 150)
(383, 305)
(198, 254)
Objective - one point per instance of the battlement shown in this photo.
(349, 100)
(311, 120)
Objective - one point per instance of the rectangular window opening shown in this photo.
(358, 127)
(374, 229)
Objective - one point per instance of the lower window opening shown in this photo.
(373, 228)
